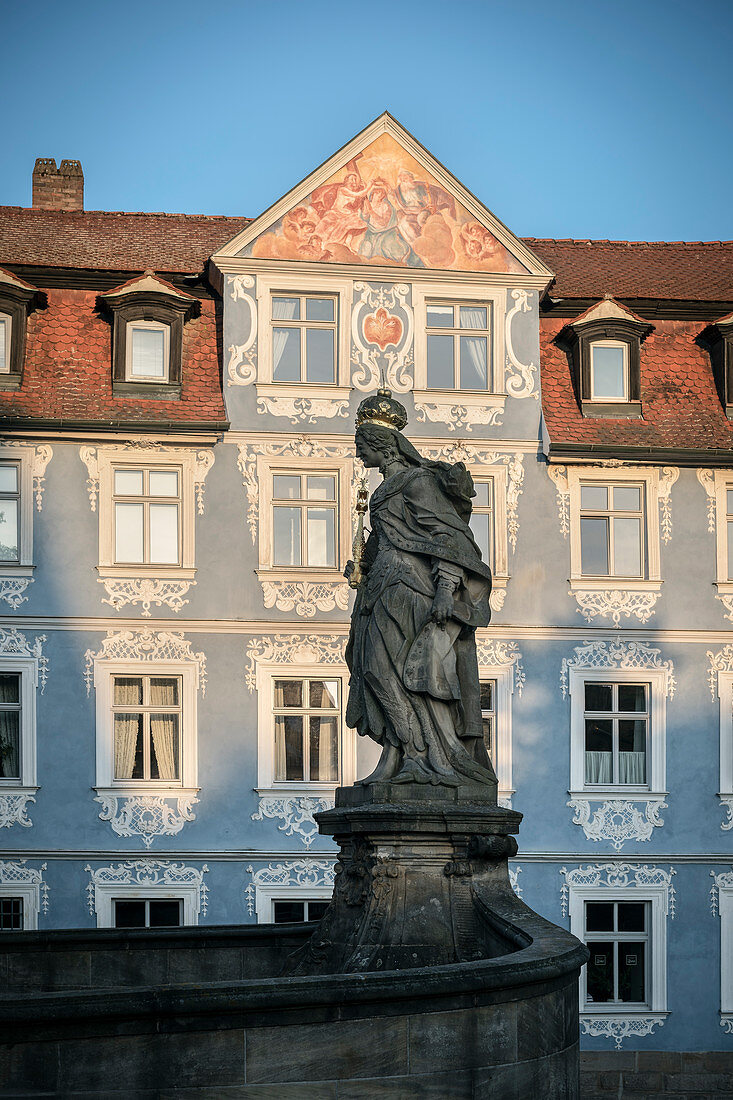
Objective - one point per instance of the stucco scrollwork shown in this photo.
(618, 820)
(721, 881)
(147, 873)
(520, 377)
(727, 806)
(145, 591)
(667, 477)
(493, 653)
(145, 645)
(14, 809)
(619, 1028)
(707, 480)
(298, 872)
(203, 460)
(296, 812)
(727, 602)
(12, 590)
(461, 416)
(618, 654)
(15, 644)
(722, 661)
(42, 455)
(620, 876)
(614, 603)
(16, 873)
(514, 873)
(308, 409)
(146, 815)
(298, 649)
(242, 364)
(382, 342)
(305, 597)
(559, 476)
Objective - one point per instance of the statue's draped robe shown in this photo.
(414, 683)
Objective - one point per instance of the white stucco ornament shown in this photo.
(315, 873)
(296, 813)
(618, 819)
(146, 816)
(305, 597)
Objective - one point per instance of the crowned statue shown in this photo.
(422, 589)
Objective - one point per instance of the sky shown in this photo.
(569, 118)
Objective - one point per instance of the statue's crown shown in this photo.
(381, 408)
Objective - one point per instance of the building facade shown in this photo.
(178, 481)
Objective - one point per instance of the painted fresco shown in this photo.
(382, 207)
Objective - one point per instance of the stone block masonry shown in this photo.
(652, 1074)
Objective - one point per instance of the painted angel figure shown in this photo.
(423, 590)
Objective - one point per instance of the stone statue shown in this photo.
(422, 589)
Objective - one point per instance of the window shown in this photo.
(617, 936)
(307, 720)
(609, 370)
(9, 512)
(147, 351)
(722, 899)
(147, 515)
(305, 519)
(6, 331)
(11, 914)
(147, 912)
(616, 723)
(18, 682)
(147, 728)
(289, 912)
(496, 668)
(729, 529)
(10, 716)
(304, 331)
(17, 300)
(22, 470)
(458, 346)
(482, 519)
(612, 529)
(488, 716)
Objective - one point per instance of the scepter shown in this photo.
(357, 549)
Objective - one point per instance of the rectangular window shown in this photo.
(147, 727)
(459, 346)
(617, 936)
(11, 914)
(9, 511)
(305, 522)
(5, 330)
(307, 721)
(612, 523)
(616, 723)
(609, 371)
(147, 515)
(147, 912)
(304, 339)
(482, 519)
(10, 731)
(729, 527)
(488, 715)
(290, 912)
(148, 344)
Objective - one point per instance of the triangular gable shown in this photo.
(384, 200)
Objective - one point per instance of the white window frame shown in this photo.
(31, 895)
(723, 481)
(624, 400)
(8, 321)
(656, 896)
(27, 669)
(105, 894)
(23, 458)
(725, 911)
(269, 287)
(111, 458)
(267, 672)
(503, 677)
(498, 475)
(266, 896)
(104, 673)
(725, 698)
(156, 326)
(656, 681)
(450, 293)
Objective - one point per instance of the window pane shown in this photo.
(482, 494)
(486, 688)
(321, 488)
(473, 317)
(4, 346)
(608, 372)
(9, 530)
(286, 486)
(321, 536)
(324, 694)
(729, 499)
(286, 354)
(128, 691)
(440, 316)
(316, 909)
(632, 752)
(600, 971)
(599, 916)
(164, 753)
(598, 697)
(148, 353)
(631, 915)
(288, 912)
(319, 355)
(129, 746)
(594, 546)
(594, 498)
(8, 479)
(632, 697)
(598, 750)
(128, 532)
(440, 363)
(627, 498)
(480, 523)
(288, 693)
(289, 740)
(631, 983)
(286, 536)
(9, 687)
(730, 549)
(319, 309)
(164, 691)
(129, 914)
(626, 547)
(324, 749)
(164, 533)
(474, 369)
(487, 732)
(163, 483)
(11, 914)
(10, 744)
(285, 309)
(129, 483)
(165, 914)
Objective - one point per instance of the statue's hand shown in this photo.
(442, 605)
(353, 574)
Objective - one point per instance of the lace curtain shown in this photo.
(127, 727)
(164, 727)
(631, 767)
(283, 309)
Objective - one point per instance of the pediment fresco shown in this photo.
(382, 207)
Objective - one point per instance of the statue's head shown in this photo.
(379, 423)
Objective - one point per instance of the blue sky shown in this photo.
(575, 118)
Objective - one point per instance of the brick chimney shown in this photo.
(59, 188)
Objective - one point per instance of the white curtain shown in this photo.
(475, 345)
(327, 756)
(632, 767)
(9, 744)
(164, 730)
(283, 309)
(126, 733)
(598, 767)
(280, 759)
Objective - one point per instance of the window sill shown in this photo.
(460, 409)
(9, 569)
(301, 573)
(142, 572)
(142, 787)
(634, 1012)
(725, 588)
(603, 584)
(301, 389)
(303, 402)
(633, 793)
(283, 790)
(612, 409)
(14, 786)
(156, 391)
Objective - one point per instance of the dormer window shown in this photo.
(604, 346)
(718, 338)
(17, 299)
(6, 332)
(148, 351)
